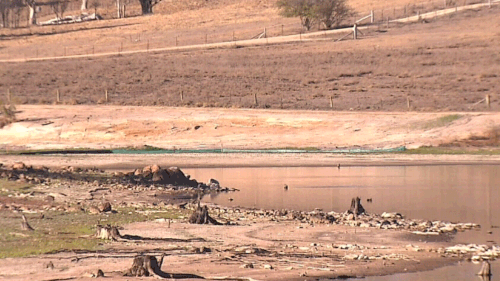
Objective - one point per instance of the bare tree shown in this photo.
(5, 8)
(59, 7)
(147, 6)
(328, 12)
(32, 9)
(95, 4)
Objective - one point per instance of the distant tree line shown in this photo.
(329, 13)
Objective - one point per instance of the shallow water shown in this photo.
(456, 193)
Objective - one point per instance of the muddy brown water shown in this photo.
(455, 193)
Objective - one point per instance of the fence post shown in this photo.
(282, 32)
(9, 95)
(265, 32)
(355, 32)
(408, 102)
(182, 95)
(233, 36)
(418, 16)
(106, 95)
(372, 17)
(58, 96)
(255, 99)
(331, 101)
(487, 99)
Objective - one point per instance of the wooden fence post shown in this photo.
(106, 95)
(372, 17)
(58, 96)
(487, 99)
(9, 95)
(255, 99)
(182, 95)
(408, 105)
(331, 101)
(282, 30)
(355, 32)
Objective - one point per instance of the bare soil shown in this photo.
(448, 64)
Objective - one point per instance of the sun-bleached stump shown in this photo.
(146, 266)
(485, 269)
(25, 225)
(108, 232)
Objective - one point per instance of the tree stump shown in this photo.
(201, 216)
(108, 232)
(485, 269)
(356, 207)
(25, 225)
(146, 266)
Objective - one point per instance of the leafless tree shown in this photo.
(95, 4)
(5, 8)
(32, 11)
(147, 6)
(59, 7)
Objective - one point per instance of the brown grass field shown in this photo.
(446, 64)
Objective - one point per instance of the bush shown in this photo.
(330, 13)
(7, 114)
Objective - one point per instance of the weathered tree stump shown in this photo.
(485, 269)
(25, 225)
(201, 216)
(356, 207)
(146, 266)
(108, 232)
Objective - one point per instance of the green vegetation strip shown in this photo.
(64, 231)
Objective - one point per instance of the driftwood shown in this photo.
(356, 207)
(108, 232)
(201, 216)
(485, 269)
(147, 266)
(25, 225)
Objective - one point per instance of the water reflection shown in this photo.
(457, 193)
(465, 271)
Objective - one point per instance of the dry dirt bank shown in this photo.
(42, 127)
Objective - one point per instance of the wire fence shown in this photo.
(178, 38)
(265, 98)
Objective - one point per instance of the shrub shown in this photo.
(330, 13)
